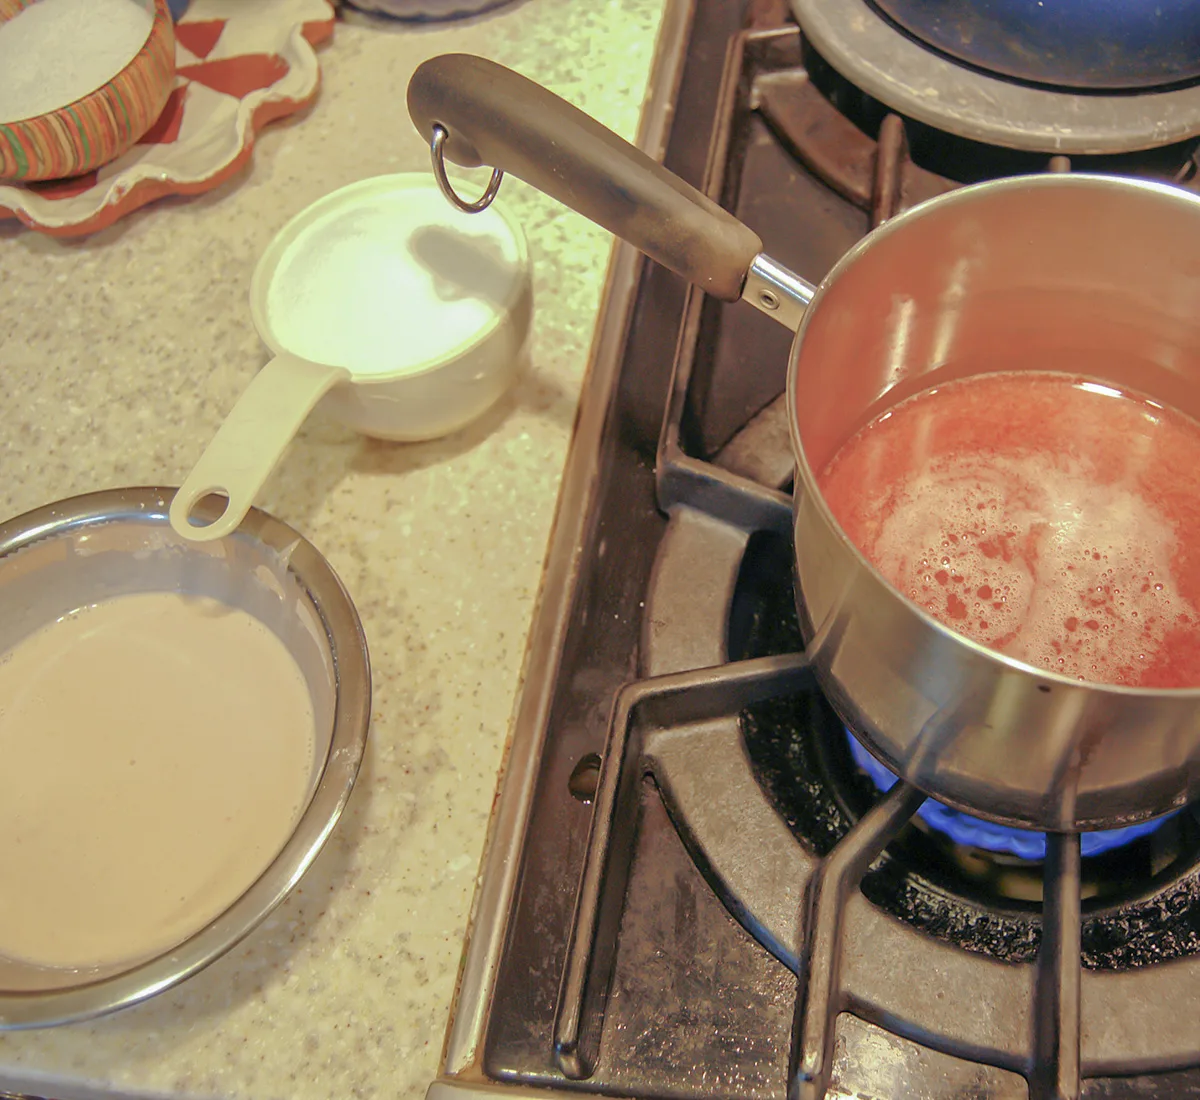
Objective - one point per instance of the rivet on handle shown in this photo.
(437, 152)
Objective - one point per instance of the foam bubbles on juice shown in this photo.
(1034, 559)
(1038, 531)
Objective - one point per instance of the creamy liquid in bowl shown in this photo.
(156, 750)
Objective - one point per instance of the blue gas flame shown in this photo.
(964, 829)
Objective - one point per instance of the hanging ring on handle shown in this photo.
(437, 152)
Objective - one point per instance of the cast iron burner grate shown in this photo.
(994, 958)
(723, 767)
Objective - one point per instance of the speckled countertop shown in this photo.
(120, 353)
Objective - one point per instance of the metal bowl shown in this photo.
(102, 545)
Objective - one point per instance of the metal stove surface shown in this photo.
(926, 84)
(732, 842)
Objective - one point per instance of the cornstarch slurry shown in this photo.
(157, 751)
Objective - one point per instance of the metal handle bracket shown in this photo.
(437, 152)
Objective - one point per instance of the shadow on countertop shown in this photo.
(324, 451)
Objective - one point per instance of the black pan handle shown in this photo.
(497, 117)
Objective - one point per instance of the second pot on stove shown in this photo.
(1082, 274)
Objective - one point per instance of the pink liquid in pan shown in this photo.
(1052, 518)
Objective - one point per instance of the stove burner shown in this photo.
(989, 837)
(757, 776)
(979, 896)
(1127, 45)
(861, 138)
(935, 89)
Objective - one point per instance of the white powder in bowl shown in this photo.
(55, 52)
(392, 281)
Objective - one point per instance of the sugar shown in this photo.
(55, 52)
(392, 283)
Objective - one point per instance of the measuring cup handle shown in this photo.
(495, 116)
(250, 442)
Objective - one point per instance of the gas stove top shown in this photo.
(694, 886)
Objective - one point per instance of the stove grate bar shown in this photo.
(641, 707)
(877, 176)
(819, 997)
(722, 494)
(1056, 1074)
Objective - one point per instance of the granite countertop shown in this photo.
(120, 353)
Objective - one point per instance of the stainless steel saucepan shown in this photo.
(1086, 274)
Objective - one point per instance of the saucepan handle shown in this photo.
(494, 116)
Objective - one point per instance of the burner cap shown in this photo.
(896, 68)
(1094, 45)
(964, 829)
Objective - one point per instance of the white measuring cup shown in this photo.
(408, 317)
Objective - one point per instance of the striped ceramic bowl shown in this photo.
(100, 126)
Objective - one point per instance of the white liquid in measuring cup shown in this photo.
(392, 283)
(157, 753)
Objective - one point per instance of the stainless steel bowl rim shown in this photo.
(351, 717)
